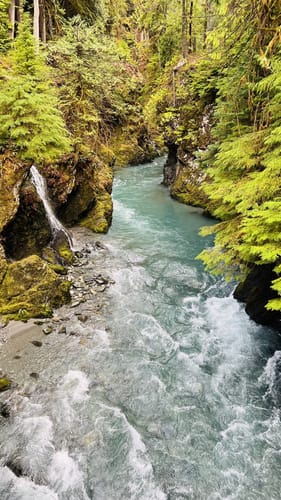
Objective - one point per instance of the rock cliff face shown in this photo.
(31, 264)
(79, 186)
(182, 171)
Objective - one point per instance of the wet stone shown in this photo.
(5, 410)
(82, 317)
(5, 384)
(37, 343)
(48, 330)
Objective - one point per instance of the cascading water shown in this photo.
(41, 187)
(168, 392)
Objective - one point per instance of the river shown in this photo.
(168, 391)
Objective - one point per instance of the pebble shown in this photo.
(82, 317)
(48, 330)
(34, 375)
(62, 330)
(37, 343)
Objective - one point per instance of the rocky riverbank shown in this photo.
(22, 343)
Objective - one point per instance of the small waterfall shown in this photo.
(41, 187)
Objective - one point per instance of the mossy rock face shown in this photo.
(63, 250)
(187, 187)
(29, 231)
(31, 288)
(3, 264)
(12, 174)
(131, 145)
(5, 384)
(90, 204)
(99, 218)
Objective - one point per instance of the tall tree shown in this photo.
(30, 121)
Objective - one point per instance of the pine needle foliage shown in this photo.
(4, 26)
(30, 122)
(245, 171)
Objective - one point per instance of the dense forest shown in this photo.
(86, 85)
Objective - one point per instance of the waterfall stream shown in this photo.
(40, 185)
(159, 387)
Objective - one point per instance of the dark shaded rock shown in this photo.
(255, 292)
(37, 343)
(89, 203)
(15, 468)
(5, 410)
(34, 375)
(17, 356)
(61, 245)
(171, 165)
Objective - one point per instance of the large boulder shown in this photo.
(255, 292)
(30, 288)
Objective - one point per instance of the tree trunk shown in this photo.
(190, 27)
(184, 29)
(42, 21)
(12, 18)
(206, 21)
(36, 13)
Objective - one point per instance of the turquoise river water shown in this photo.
(170, 392)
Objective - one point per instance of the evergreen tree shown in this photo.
(30, 122)
(245, 172)
(4, 26)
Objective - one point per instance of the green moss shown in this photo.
(58, 269)
(65, 253)
(5, 384)
(31, 288)
(187, 187)
(99, 218)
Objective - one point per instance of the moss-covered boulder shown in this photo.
(30, 288)
(5, 384)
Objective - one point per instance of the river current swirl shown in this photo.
(170, 392)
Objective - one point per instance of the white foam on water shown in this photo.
(75, 386)
(271, 375)
(14, 488)
(65, 477)
(141, 482)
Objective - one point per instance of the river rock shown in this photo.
(37, 343)
(5, 410)
(5, 384)
(48, 330)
